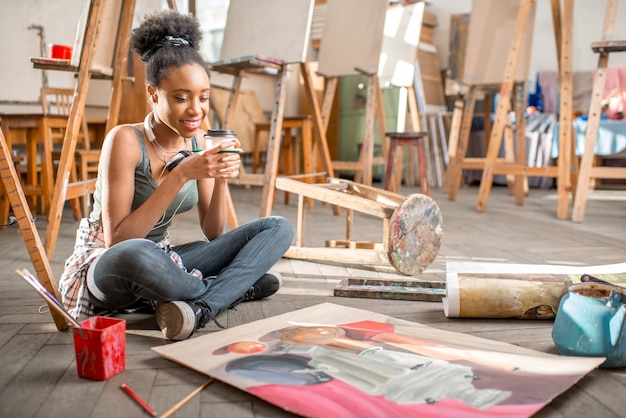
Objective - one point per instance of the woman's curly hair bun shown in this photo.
(161, 25)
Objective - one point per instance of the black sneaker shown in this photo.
(266, 286)
(179, 320)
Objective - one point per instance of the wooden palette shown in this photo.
(415, 234)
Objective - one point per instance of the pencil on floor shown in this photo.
(183, 401)
(137, 399)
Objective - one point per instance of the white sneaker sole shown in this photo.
(176, 320)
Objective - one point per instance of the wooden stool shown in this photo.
(405, 139)
(289, 147)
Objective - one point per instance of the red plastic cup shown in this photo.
(100, 347)
(57, 51)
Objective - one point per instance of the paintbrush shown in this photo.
(49, 297)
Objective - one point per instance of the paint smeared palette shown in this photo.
(415, 234)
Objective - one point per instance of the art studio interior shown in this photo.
(453, 173)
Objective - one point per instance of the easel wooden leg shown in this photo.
(71, 133)
(288, 158)
(453, 140)
(366, 156)
(93, 29)
(520, 186)
(320, 118)
(17, 199)
(122, 42)
(487, 104)
(437, 157)
(31, 171)
(382, 121)
(329, 97)
(5, 206)
(495, 140)
(273, 145)
(232, 102)
(495, 143)
(567, 153)
(228, 122)
(307, 155)
(593, 124)
(455, 168)
(300, 223)
(319, 125)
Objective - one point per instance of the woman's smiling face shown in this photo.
(182, 99)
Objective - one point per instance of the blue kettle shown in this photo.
(590, 322)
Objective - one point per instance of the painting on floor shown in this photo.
(331, 360)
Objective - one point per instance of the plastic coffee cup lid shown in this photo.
(220, 132)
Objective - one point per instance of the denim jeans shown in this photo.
(230, 264)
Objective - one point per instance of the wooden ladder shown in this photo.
(588, 170)
(98, 26)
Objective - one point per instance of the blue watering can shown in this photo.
(590, 322)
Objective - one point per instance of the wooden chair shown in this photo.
(58, 101)
(290, 149)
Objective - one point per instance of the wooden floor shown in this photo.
(37, 372)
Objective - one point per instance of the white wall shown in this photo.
(19, 81)
(588, 21)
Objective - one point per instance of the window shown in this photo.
(212, 17)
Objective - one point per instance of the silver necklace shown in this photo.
(162, 150)
(147, 124)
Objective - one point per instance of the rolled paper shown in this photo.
(506, 295)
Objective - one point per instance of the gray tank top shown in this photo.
(145, 185)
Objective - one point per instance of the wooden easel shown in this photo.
(374, 109)
(24, 217)
(238, 68)
(412, 226)
(392, 32)
(491, 165)
(587, 169)
(344, 27)
(98, 17)
(459, 138)
(242, 58)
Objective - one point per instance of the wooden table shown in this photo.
(36, 130)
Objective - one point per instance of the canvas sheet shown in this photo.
(330, 360)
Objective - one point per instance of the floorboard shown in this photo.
(37, 372)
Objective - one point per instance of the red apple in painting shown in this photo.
(246, 347)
